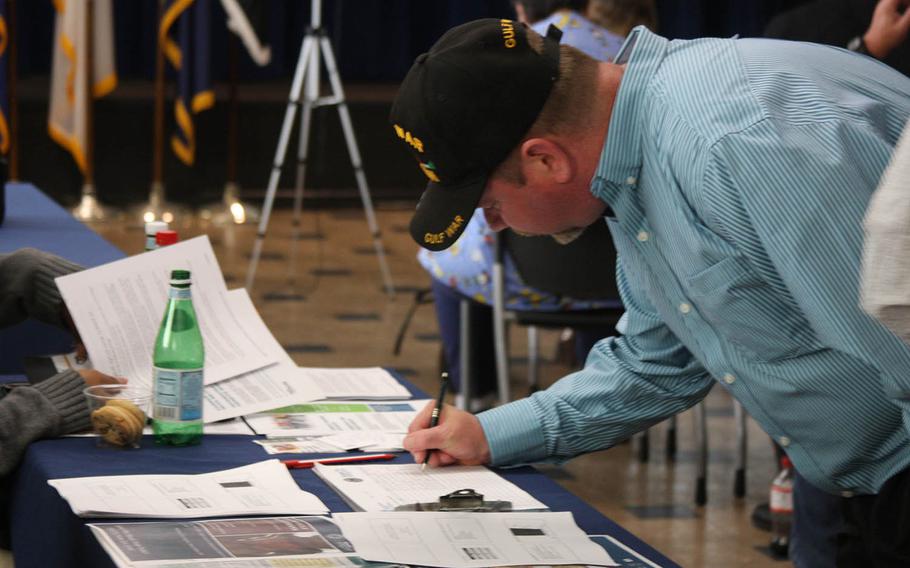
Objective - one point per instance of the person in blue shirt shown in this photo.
(465, 269)
(734, 175)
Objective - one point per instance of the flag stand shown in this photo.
(158, 208)
(315, 42)
(231, 209)
(89, 208)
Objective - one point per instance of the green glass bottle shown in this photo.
(178, 362)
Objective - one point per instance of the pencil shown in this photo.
(437, 410)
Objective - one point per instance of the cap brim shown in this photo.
(444, 211)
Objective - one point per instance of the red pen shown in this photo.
(307, 464)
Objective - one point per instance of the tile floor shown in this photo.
(321, 294)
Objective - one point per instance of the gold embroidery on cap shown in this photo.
(439, 238)
(508, 33)
(405, 135)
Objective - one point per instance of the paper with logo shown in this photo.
(263, 488)
(117, 308)
(313, 541)
(471, 539)
(335, 417)
(375, 487)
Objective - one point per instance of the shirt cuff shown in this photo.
(64, 391)
(514, 433)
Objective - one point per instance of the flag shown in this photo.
(67, 122)
(189, 56)
(4, 88)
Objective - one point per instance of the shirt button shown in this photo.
(631, 180)
(643, 236)
(685, 308)
(784, 441)
(846, 494)
(729, 379)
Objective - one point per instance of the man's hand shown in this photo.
(93, 378)
(889, 27)
(458, 439)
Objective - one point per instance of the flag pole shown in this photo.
(89, 209)
(157, 208)
(11, 78)
(231, 209)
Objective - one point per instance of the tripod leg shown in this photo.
(311, 92)
(356, 162)
(280, 153)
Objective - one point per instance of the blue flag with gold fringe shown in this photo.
(184, 35)
(4, 77)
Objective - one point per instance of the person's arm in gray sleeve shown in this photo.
(27, 287)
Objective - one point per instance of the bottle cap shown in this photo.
(164, 238)
(152, 227)
(180, 277)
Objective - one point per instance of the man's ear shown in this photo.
(547, 158)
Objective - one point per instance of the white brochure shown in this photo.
(263, 488)
(364, 383)
(117, 308)
(375, 487)
(336, 417)
(471, 539)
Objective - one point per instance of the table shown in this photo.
(35, 220)
(45, 532)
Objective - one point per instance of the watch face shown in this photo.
(856, 44)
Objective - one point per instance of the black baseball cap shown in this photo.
(461, 110)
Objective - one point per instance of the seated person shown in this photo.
(56, 405)
(465, 269)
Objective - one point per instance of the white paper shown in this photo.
(296, 445)
(117, 308)
(250, 542)
(335, 417)
(471, 539)
(377, 487)
(263, 488)
(365, 383)
(263, 389)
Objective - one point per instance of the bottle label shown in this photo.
(179, 293)
(178, 394)
(781, 499)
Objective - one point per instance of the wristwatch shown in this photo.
(858, 45)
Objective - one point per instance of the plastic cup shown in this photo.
(118, 414)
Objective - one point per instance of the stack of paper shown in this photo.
(384, 487)
(337, 426)
(471, 539)
(264, 488)
(117, 308)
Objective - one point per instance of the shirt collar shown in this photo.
(621, 158)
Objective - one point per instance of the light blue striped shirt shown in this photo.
(739, 172)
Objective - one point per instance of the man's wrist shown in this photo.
(873, 46)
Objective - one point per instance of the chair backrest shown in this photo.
(584, 269)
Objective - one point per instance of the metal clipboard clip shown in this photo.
(461, 500)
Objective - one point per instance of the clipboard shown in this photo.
(463, 500)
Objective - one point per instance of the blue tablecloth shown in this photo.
(46, 534)
(35, 220)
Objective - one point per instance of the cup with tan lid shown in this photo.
(118, 414)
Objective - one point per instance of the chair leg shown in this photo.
(464, 353)
(641, 444)
(739, 479)
(671, 439)
(701, 458)
(533, 359)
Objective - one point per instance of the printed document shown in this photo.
(263, 488)
(330, 417)
(313, 541)
(367, 383)
(374, 487)
(117, 308)
(471, 539)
